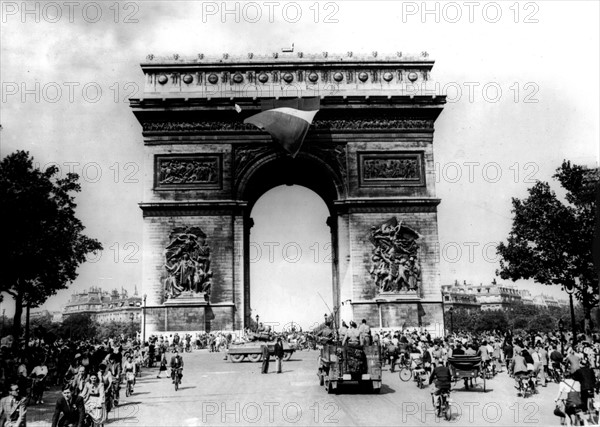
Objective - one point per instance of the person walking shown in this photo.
(265, 359)
(163, 362)
(279, 354)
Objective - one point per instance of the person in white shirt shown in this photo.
(38, 375)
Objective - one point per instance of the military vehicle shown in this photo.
(357, 365)
(252, 349)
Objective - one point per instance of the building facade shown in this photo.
(494, 296)
(104, 306)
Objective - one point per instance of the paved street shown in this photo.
(216, 392)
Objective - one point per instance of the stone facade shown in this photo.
(368, 154)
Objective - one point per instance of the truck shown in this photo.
(252, 350)
(356, 365)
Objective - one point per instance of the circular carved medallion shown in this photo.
(238, 78)
(213, 79)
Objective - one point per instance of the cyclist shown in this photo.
(129, 369)
(572, 389)
(518, 368)
(176, 365)
(38, 375)
(138, 360)
(443, 381)
(106, 378)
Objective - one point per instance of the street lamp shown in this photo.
(451, 311)
(570, 288)
(561, 326)
(131, 316)
(257, 317)
(144, 321)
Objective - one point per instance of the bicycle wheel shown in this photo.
(405, 374)
(127, 391)
(176, 382)
(447, 411)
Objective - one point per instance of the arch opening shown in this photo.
(290, 258)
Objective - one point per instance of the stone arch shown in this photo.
(270, 170)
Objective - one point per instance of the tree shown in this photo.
(116, 328)
(78, 326)
(550, 241)
(42, 239)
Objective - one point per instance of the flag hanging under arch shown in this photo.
(287, 121)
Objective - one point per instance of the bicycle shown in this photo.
(405, 371)
(420, 377)
(443, 408)
(577, 419)
(526, 385)
(115, 393)
(555, 373)
(489, 369)
(130, 383)
(176, 374)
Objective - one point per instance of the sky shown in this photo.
(521, 80)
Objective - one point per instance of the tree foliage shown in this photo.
(550, 241)
(78, 326)
(115, 329)
(519, 317)
(43, 241)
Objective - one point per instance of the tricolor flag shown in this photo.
(287, 121)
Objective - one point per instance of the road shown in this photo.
(222, 393)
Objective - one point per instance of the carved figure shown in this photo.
(395, 265)
(187, 262)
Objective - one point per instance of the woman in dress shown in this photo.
(93, 398)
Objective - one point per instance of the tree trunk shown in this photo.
(27, 325)
(17, 320)
(587, 322)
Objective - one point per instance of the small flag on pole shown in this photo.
(287, 121)
(238, 108)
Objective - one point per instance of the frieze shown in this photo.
(391, 169)
(337, 124)
(188, 171)
(373, 123)
(382, 169)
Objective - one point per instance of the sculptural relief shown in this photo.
(395, 267)
(187, 171)
(187, 262)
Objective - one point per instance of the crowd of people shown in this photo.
(90, 374)
(534, 358)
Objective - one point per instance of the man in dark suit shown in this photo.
(176, 364)
(265, 359)
(72, 409)
(279, 354)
